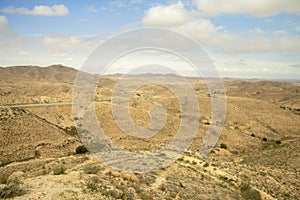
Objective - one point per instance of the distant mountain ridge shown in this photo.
(53, 73)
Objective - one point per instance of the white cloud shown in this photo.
(24, 53)
(178, 18)
(232, 44)
(83, 19)
(201, 30)
(269, 21)
(256, 31)
(117, 3)
(252, 67)
(166, 16)
(217, 38)
(294, 65)
(42, 10)
(297, 28)
(261, 8)
(61, 43)
(136, 1)
(280, 32)
(3, 25)
(93, 10)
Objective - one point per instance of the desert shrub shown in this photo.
(147, 196)
(223, 146)
(11, 189)
(5, 162)
(81, 150)
(92, 183)
(271, 144)
(137, 188)
(3, 177)
(162, 187)
(71, 131)
(37, 153)
(146, 179)
(90, 169)
(278, 142)
(60, 169)
(249, 193)
(180, 159)
(264, 139)
(172, 195)
(127, 195)
(114, 193)
(252, 135)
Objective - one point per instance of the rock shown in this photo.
(74, 176)
(223, 152)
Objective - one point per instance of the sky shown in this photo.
(244, 39)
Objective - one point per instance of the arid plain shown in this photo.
(257, 155)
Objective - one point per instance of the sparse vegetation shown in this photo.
(223, 146)
(90, 169)
(37, 153)
(271, 144)
(71, 131)
(5, 162)
(81, 150)
(12, 189)
(114, 193)
(92, 183)
(3, 177)
(206, 164)
(162, 187)
(278, 142)
(59, 169)
(35, 135)
(249, 193)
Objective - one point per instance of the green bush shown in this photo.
(81, 150)
(71, 131)
(223, 146)
(278, 142)
(114, 193)
(90, 169)
(12, 189)
(60, 169)
(3, 177)
(92, 183)
(249, 193)
(206, 164)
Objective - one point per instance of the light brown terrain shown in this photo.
(256, 157)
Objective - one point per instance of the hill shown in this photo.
(25, 136)
(53, 73)
(257, 155)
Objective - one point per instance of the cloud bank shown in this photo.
(55, 10)
(261, 8)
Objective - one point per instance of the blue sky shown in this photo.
(243, 38)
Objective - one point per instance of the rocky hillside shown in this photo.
(53, 73)
(24, 136)
(257, 155)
